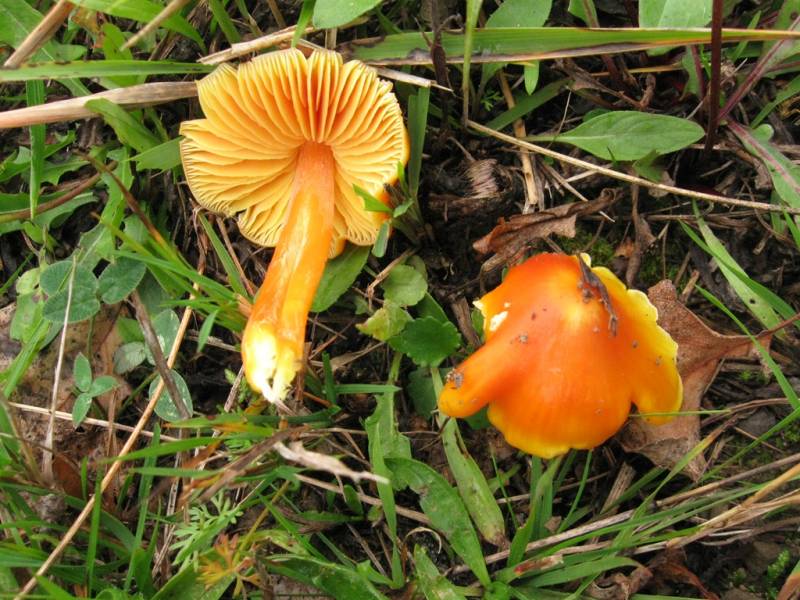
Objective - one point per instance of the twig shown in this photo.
(47, 459)
(76, 191)
(40, 34)
(169, 10)
(65, 416)
(242, 48)
(670, 189)
(146, 94)
(533, 195)
(151, 339)
(276, 13)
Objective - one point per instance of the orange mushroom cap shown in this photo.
(562, 364)
(285, 140)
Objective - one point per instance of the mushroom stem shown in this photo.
(272, 346)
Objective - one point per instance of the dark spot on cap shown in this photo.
(658, 361)
(635, 344)
(533, 315)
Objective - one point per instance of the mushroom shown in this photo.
(568, 349)
(285, 140)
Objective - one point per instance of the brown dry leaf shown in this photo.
(671, 566)
(620, 586)
(700, 352)
(510, 237)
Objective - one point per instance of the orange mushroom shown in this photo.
(285, 140)
(568, 349)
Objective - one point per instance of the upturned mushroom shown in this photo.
(568, 349)
(285, 140)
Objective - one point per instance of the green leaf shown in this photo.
(442, 505)
(474, 489)
(102, 385)
(339, 275)
(674, 13)
(187, 584)
(382, 241)
(527, 103)
(161, 157)
(83, 303)
(531, 75)
(331, 578)
(631, 135)
(371, 203)
(427, 341)
(82, 373)
(404, 285)
(143, 11)
(429, 307)
(431, 583)
(333, 13)
(54, 277)
(583, 569)
(224, 21)
(387, 321)
(418, 105)
(166, 325)
(583, 10)
(736, 277)
(420, 389)
(129, 130)
(165, 408)
(81, 408)
(54, 592)
(128, 357)
(119, 279)
(205, 330)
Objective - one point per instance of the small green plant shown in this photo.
(88, 388)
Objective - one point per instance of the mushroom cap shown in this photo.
(241, 158)
(554, 372)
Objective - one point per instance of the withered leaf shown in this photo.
(700, 352)
(510, 237)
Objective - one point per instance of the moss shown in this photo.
(601, 250)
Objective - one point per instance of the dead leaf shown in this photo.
(625, 248)
(700, 352)
(670, 565)
(619, 586)
(510, 237)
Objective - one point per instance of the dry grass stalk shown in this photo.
(134, 96)
(262, 43)
(40, 35)
(169, 10)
